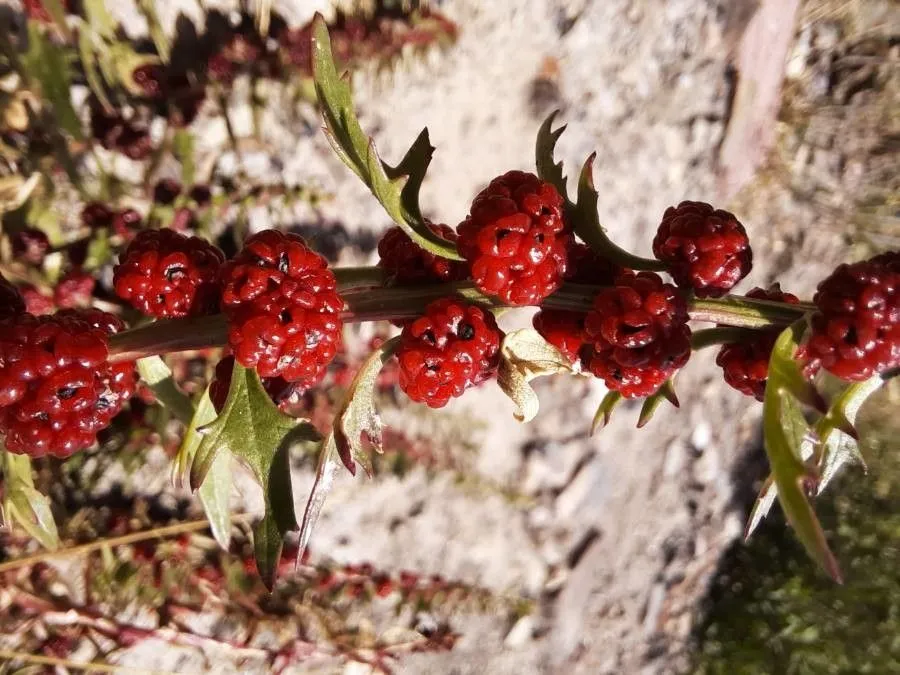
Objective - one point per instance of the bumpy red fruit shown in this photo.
(283, 308)
(30, 245)
(74, 289)
(452, 347)
(745, 364)
(168, 275)
(166, 191)
(638, 332)
(515, 239)
(11, 301)
(706, 249)
(96, 215)
(563, 329)
(36, 302)
(856, 330)
(407, 263)
(57, 387)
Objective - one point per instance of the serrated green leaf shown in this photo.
(396, 188)
(157, 33)
(158, 376)
(183, 149)
(23, 504)
(48, 64)
(665, 393)
(253, 430)
(545, 145)
(587, 225)
(357, 416)
(87, 53)
(784, 429)
(215, 491)
(524, 356)
(99, 19)
(605, 410)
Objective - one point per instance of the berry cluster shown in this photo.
(283, 308)
(57, 386)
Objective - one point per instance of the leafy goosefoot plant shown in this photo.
(251, 427)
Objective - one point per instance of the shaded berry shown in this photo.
(74, 289)
(638, 334)
(125, 222)
(408, 263)
(745, 364)
(201, 195)
(116, 133)
(283, 308)
(167, 275)
(36, 302)
(30, 246)
(856, 330)
(564, 329)
(57, 387)
(452, 347)
(96, 215)
(166, 191)
(706, 249)
(11, 301)
(515, 239)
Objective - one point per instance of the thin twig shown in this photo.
(87, 667)
(158, 532)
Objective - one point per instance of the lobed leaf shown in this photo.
(252, 429)
(23, 504)
(545, 145)
(524, 356)
(396, 188)
(785, 430)
(357, 417)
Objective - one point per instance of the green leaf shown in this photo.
(651, 403)
(23, 504)
(587, 225)
(547, 169)
(184, 459)
(357, 416)
(99, 19)
(183, 149)
(605, 410)
(58, 13)
(785, 429)
(157, 375)
(157, 33)
(126, 60)
(47, 63)
(86, 52)
(252, 429)
(524, 356)
(396, 188)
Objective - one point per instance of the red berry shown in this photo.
(201, 194)
(452, 347)
(57, 387)
(638, 332)
(515, 239)
(856, 330)
(745, 364)
(167, 275)
(706, 249)
(563, 329)
(408, 263)
(11, 301)
(75, 289)
(150, 79)
(283, 308)
(36, 302)
(96, 215)
(30, 245)
(113, 132)
(125, 221)
(279, 390)
(166, 191)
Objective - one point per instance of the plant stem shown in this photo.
(711, 337)
(367, 299)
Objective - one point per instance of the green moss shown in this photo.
(771, 609)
